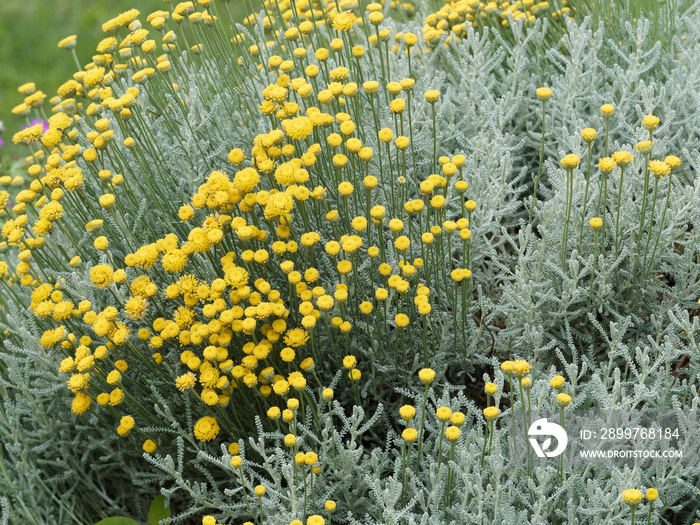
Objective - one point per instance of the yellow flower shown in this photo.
(443, 413)
(457, 419)
(673, 162)
(452, 433)
(426, 375)
(570, 161)
(149, 446)
(491, 388)
(622, 158)
(409, 435)
(298, 128)
(491, 413)
(607, 110)
(344, 21)
(401, 320)
(644, 146)
(652, 494)
(596, 222)
(563, 399)
(102, 275)
(296, 337)
(588, 135)
(521, 368)
(650, 122)
(81, 403)
(659, 168)
(68, 42)
(407, 412)
(432, 96)
(185, 382)
(632, 497)
(507, 367)
(557, 381)
(107, 201)
(349, 362)
(206, 429)
(410, 39)
(606, 165)
(544, 94)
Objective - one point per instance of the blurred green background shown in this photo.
(29, 34)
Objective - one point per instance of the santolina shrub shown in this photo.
(300, 269)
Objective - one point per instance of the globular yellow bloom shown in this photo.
(606, 165)
(81, 403)
(407, 412)
(563, 399)
(644, 146)
(443, 413)
(557, 381)
(432, 96)
(544, 93)
(673, 162)
(570, 161)
(426, 375)
(596, 222)
(491, 413)
(607, 110)
(520, 368)
(102, 275)
(344, 21)
(298, 128)
(622, 158)
(68, 42)
(452, 433)
(206, 429)
(650, 122)
(409, 435)
(632, 496)
(659, 168)
(401, 320)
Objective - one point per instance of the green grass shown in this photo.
(29, 33)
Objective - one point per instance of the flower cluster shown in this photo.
(261, 247)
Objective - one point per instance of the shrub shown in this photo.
(271, 264)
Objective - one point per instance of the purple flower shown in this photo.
(34, 122)
(1, 142)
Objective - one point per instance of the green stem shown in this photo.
(617, 219)
(644, 197)
(512, 414)
(651, 224)
(539, 170)
(585, 198)
(422, 423)
(661, 226)
(595, 258)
